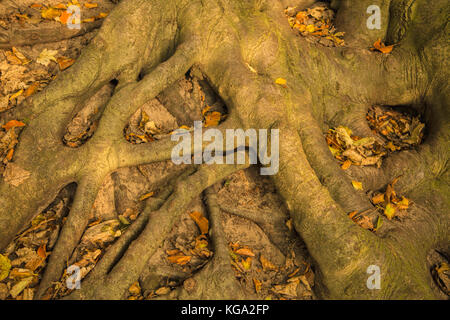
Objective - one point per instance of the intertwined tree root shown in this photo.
(147, 45)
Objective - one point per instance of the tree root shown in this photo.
(128, 269)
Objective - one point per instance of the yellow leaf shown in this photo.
(5, 266)
(403, 204)
(102, 15)
(50, 13)
(247, 263)
(146, 196)
(91, 5)
(357, 185)
(281, 81)
(389, 211)
(310, 28)
(88, 20)
(212, 119)
(201, 221)
(135, 289)
(15, 95)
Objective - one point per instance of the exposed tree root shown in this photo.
(147, 46)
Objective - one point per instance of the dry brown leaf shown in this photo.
(201, 221)
(257, 284)
(15, 175)
(266, 264)
(65, 62)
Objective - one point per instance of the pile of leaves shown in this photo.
(441, 274)
(398, 130)
(389, 203)
(316, 25)
(145, 131)
(9, 134)
(38, 13)
(19, 81)
(24, 260)
(268, 280)
(395, 131)
(353, 150)
(97, 238)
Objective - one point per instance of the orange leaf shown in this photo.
(31, 89)
(42, 252)
(13, 124)
(64, 17)
(181, 260)
(378, 198)
(258, 285)
(64, 62)
(201, 221)
(91, 5)
(245, 252)
(346, 165)
(9, 155)
(266, 264)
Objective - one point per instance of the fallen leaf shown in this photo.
(50, 13)
(162, 291)
(12, 124)
(247, 263)
(31, 89)
(212, 119)
(20, 286)
(5, 266)
(357, 185)
(245, 252)
(201, 221)
(389, 211)
(135, 289)
(46, 56)
(91, 5)
(346, 165)
(146, 196)
(266, 264)
(257, 284)
(64, 62)
(379, 198)
(281, 81)
(15, 95)
(380, 46)
(179, 259)
(41, 251)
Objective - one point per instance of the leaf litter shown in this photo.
(316, 24)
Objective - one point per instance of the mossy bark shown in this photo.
(147, 45)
